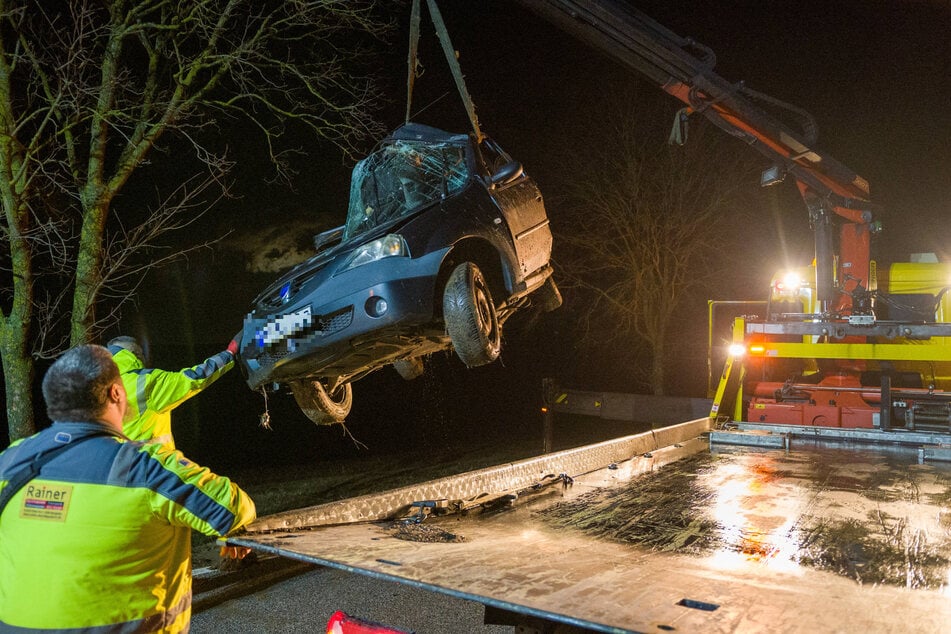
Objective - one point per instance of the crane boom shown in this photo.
(835, 196)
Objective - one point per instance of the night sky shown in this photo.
(876, 75)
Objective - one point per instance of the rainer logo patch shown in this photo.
(44, 501)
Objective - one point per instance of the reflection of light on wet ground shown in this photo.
(746, 535)
(873, 517)
(859, 514)
(730, 560)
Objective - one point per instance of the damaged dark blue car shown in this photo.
(445, 238)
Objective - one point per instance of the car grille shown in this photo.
(334, 322)
(276, 299)
(271, 357)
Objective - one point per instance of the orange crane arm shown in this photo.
(835, 196)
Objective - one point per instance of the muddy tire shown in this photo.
(470, 316)
(320, 405)
(410, 369)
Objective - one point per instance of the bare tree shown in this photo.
(648, 227)
(89, 88)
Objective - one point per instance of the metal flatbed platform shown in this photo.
(814, 540)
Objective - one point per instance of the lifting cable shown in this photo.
(411, 60)
(450, 54)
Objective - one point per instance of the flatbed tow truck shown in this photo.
(815, 497)
(809, 539)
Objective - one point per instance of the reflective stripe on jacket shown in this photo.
(102, 538)
(153, 393)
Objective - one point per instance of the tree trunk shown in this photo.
(18, 379)
(88, 276)
(16, 326)
(15, 344)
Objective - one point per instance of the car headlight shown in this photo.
(391, 245)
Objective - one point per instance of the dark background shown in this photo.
(874, 74)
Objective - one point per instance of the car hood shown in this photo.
(314, 265)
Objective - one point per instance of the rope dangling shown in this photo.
(412, 60)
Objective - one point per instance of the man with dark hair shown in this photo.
(95, 530)
(76, 388)
(153, 393)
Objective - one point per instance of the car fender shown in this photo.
(496, 262)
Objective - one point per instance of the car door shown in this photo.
(522, 206)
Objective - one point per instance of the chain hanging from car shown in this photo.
(451, 58)
(265, 420)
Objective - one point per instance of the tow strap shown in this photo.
(32, 469)
(450, 54)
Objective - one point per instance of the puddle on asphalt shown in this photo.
(876, 518)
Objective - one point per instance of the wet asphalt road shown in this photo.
(305, 602)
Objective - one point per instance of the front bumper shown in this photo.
(313, 337)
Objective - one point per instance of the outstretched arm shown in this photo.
(169, 389)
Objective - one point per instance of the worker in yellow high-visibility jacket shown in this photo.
(153, 393)
(96, 536)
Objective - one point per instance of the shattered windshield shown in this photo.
(400, 178)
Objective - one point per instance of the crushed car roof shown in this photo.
(419, 132)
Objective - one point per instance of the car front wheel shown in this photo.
(321, 405)
(471, 319)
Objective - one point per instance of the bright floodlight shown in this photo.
(736, 350)
(791, 281)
